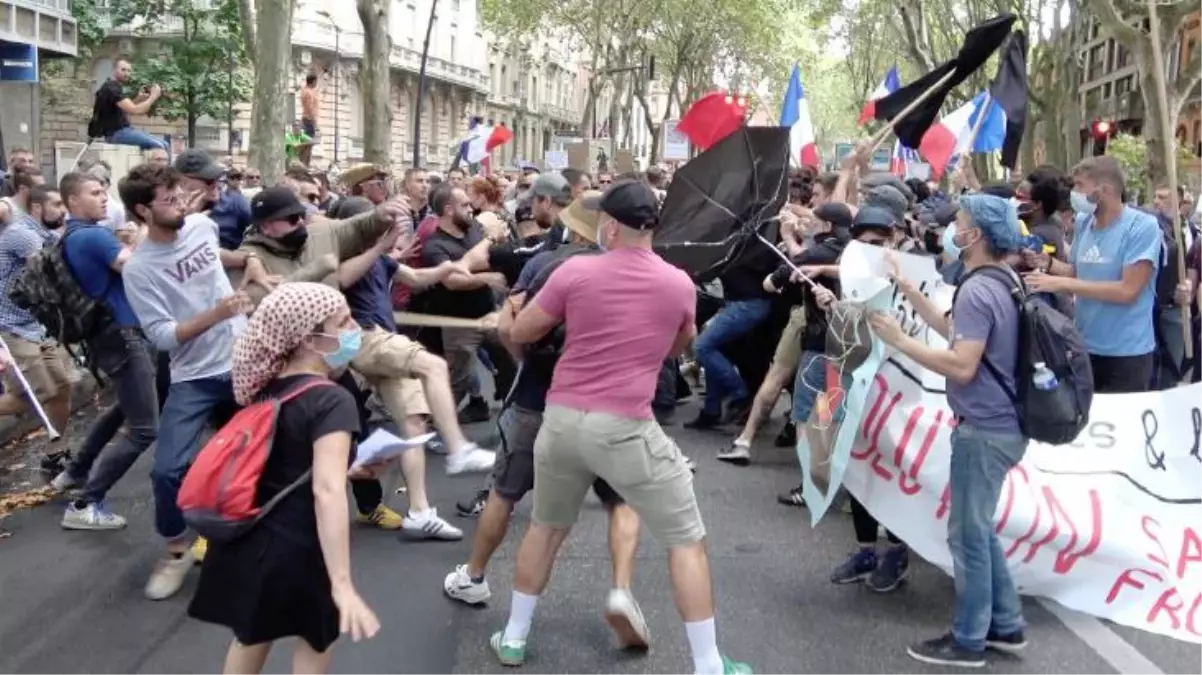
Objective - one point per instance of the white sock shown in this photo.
(521, 613)
(703, 640)
(419, 515)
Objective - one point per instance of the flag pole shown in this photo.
(966, 156)
(1170, 151)
(888, 128)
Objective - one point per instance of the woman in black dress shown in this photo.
(290, 576)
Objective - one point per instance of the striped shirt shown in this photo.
(24, 237)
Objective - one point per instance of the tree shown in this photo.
(1132, 154)
(272, 39)
(201, 68)
(375, 79)
(1129, 23)
(59, 78)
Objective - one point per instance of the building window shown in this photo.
(1122, 85)
(1106, 91)
(1097, 57)
(1122, 57)
(453, 60)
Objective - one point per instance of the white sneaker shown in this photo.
(94, 516)
(469, 459)
(459, 586)
(624, 616)
(429, 526)
(63, 481)
(168, 576)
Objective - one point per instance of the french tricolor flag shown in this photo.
(899, 163)
(482, 139)
(890, 84)
(951, 136)
(795, 114)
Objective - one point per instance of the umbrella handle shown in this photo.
(804, 277)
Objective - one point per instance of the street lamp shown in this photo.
(421, 86)
(337, 73)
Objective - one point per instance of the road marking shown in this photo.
(1116, 651)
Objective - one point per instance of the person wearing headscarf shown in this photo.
(290, 575)
(980, 364)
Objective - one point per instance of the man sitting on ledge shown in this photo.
(110, 113)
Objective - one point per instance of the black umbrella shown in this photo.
(719, 201)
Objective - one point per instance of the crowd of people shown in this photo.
(212, 292)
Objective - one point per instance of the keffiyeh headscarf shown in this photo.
(275, 330)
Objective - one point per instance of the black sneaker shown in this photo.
(704, 422)
(787, 438)
(1014, 642)
(474, 506)
(891, 571)
(54, 463)
(945, 651)
(475, 411)
(792, 498)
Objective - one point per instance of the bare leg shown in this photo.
(490, 532)
(436, 380)
(690, 570)
(58, 409)
(764, 400)
(413, 466)
(12, 405)
(536, 558)
(306, 660)
(623, 543)
(246, 659)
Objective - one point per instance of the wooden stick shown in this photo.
(880, 135)
(1169, 141)
(435, 321)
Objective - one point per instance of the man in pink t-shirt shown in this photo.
(624, 312)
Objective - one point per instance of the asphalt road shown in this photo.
(72, 601)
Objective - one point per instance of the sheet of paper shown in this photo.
(382, 446)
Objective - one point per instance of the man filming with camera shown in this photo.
(111, 111)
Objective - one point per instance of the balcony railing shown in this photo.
(322, 35)
(560, 113)
(61, 6)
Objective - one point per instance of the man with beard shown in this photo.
(38, 356)
(537, 229)
(179, 291)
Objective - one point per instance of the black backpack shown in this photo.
(1055, 416)
(46, 288)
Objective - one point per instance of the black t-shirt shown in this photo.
(443, 246)
(319, 411)
(109, 117)
(510, 257)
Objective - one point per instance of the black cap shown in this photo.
(630, 202)
(196, 163)
(835, 213)
(275, 203)
(874, 217)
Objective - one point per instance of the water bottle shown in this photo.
(1044, 379)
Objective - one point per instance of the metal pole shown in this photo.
(337, 75)
(421, 86)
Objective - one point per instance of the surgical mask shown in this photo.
(349, 342)
(950, 250)
(1082, 203)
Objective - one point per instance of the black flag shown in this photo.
(979, 44)
(1009, 92)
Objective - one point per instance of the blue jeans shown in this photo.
(736, 319)
(126, 358)
(136, 137)
(189, 408)
(985, 594)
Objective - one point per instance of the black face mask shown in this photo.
(932, 241)
(295, 239)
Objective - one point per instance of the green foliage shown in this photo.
(1132, 154)
(190, 53)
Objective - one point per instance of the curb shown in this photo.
(82, 394)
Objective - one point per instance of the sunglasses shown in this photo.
(252, 176)
(235, 176)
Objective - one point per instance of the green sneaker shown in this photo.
(735, 667)
(512, 653)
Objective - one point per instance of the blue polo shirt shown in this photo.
(370, 298)
(231, 212)
(1109, 328)
(90, 249)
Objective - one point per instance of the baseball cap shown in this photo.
(888, 197)
(275, 203)
(940, 216)
(878, 178)
(835, 213)
(554, 186)
(630, 202)
(583, 215)
(196, 163)
(360, 173)
(873, 217)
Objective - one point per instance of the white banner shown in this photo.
(1108, 525)
(676, 146)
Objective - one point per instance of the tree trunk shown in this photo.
(273, 65)
(247, 12)
(375, 79)
(1153, 132)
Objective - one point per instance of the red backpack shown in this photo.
(218, 493)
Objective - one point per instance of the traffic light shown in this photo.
(1102, 129)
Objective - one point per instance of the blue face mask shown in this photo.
(1082, 203)
(349, 342)
(950, 250)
